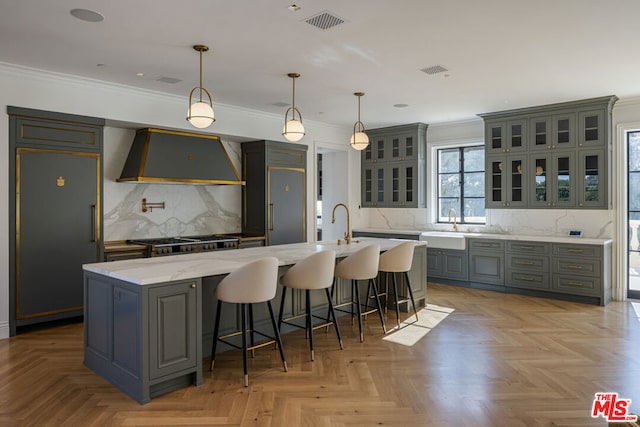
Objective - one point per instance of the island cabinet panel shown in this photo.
(145, 340)
(274, 196)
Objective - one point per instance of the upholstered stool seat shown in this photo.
(315, 272)
(398, 260)
(255, 282)
(361, 265)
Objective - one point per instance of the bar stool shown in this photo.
(398, 260)
(361, 265)
(255, 282)
(315, 272)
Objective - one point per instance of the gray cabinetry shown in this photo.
(393, 167)
(274, 197)
(565, 148)
(506, 182)
(55, 212)
(581, 270)
(447, 264)
(486, 261)
(528, 265)
(145, 340)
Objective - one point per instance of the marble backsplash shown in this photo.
(556, 222)
(189, 209)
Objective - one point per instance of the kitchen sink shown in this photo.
(444, 239)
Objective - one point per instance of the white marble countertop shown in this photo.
(148, 271)
(533, 238)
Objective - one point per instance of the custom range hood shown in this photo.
(167, 156)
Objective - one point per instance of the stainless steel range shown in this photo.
(185, 245)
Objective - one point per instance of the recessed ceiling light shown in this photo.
(294, 8)
(140, 74)
(400, 105)
(87, 15)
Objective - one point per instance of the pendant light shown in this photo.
(293, 129)
(200, 112)
(359, 139)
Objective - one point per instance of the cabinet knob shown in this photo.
(193, 286)
(507, 150)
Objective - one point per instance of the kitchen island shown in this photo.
(147, 321)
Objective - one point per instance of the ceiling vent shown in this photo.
(434, 69)
(170, 80)
(324, 20)
(281, 104)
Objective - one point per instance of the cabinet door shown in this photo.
(592, 179)
(516, 181)
(540, 133)
(367, 153)
(402, 191)
(554, 180)
(368, 186)
(591, 128)
(516, 136)
(286, 205)
(447, 264)
(486, 261)
(564, 131)
(495, 137)
(173, 314)
(57, 229)
(495, 182)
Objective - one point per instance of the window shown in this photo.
(461, 184)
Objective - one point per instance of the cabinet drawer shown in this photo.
(542, 248)
(571, 266)
(486, 244)
(288, 157)
(528, 280)
(528, 263)
(577, 250)
(576, 284)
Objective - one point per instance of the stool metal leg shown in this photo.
(251, 329)
(307, 296)
(281, 313)
(356, 288)
(375, 292)
(244, 344)
(216, 328)
(395, 293)
(335, 320)
(276, 333)
(413, 301)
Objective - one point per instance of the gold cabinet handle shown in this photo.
(193, 286)
(525, 263)
(574, 267)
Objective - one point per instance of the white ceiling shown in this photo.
(501, 54)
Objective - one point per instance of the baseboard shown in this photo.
(4, 330)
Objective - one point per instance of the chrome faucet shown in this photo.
(347, 235)
(455, 219)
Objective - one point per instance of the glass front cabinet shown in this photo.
(393, 167)
(553, 156)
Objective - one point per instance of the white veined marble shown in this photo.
(148, 271)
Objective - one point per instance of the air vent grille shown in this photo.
(171, 80)
(434, 69)
(281, 104)
(324, 20)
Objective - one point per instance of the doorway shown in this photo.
(633, 213)
(332, 178)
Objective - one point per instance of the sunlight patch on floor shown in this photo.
(411, 331)
(636, 308)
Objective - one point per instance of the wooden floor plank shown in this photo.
(496, 360)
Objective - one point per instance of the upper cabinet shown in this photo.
(553, 156)
(393, 167)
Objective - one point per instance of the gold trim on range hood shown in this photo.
(167, 156)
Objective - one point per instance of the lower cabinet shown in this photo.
(145, 340)
(571, 271)
(486, 261)
(447, 263)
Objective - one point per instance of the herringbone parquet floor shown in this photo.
(497, 360)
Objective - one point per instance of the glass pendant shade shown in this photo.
(293, 129)
(359, 141)
(200, 113)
